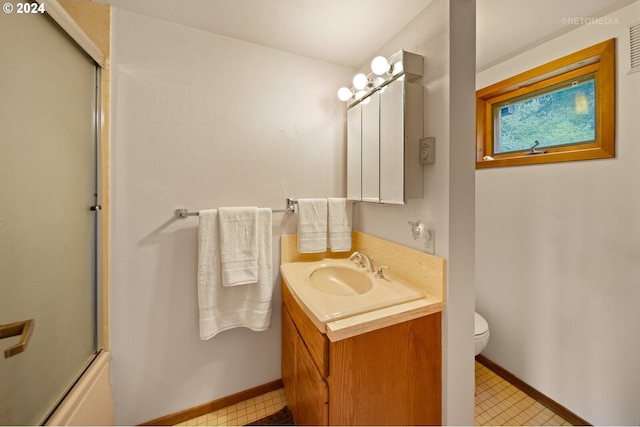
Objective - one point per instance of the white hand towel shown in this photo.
(222, 308)
(239, 245)
(340, 212)
(312, 225)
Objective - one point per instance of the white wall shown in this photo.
(558, 251)
(444, 33)
(202, 121)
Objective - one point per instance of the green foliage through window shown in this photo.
(560, 116)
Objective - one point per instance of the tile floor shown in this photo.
(244, 412)
(497, 403)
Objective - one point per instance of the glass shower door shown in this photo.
(47, 228)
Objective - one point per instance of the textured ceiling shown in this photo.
(348, 32)
(343, 32)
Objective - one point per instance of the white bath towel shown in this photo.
(223, 308)
(312, 225)
(238, 245)
(340, 212)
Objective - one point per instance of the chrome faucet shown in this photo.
(358, 256)
(368, 262)
(362, 260)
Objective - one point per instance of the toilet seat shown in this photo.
(481, 333)
(482, 336)
(481, 326)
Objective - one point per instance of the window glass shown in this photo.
(556, 116)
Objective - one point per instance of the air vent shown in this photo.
(634, 45)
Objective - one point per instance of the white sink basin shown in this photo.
(333, 289)
(340, 281)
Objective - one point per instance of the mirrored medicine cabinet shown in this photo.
(384, 128)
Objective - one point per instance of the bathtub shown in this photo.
(89, 402)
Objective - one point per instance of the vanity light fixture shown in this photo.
(380, 65)
(360, 81)
(383, 71)
(345, 94)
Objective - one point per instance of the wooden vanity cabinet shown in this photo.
(307, 391)
(389, 376)
(304, 365)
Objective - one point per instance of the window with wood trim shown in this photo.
(560, 111)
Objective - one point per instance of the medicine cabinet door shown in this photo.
(354, 153)
(392, 143)
(371, 148)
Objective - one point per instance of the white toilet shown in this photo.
(481, 334)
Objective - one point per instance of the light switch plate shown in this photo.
(428, 150)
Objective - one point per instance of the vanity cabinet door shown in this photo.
(371, 148)
(304, 365)
(312, 391)
(354, 153)
(290, 342)
(316, 343)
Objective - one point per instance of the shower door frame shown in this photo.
(89, 401)
(99, 54)
(68, 24)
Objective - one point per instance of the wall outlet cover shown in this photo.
(428, 150)
(430, 241)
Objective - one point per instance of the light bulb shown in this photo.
(360, 94)
(360, 81)
(380, 65)
(344, 94)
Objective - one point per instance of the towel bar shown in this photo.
(291, 208)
